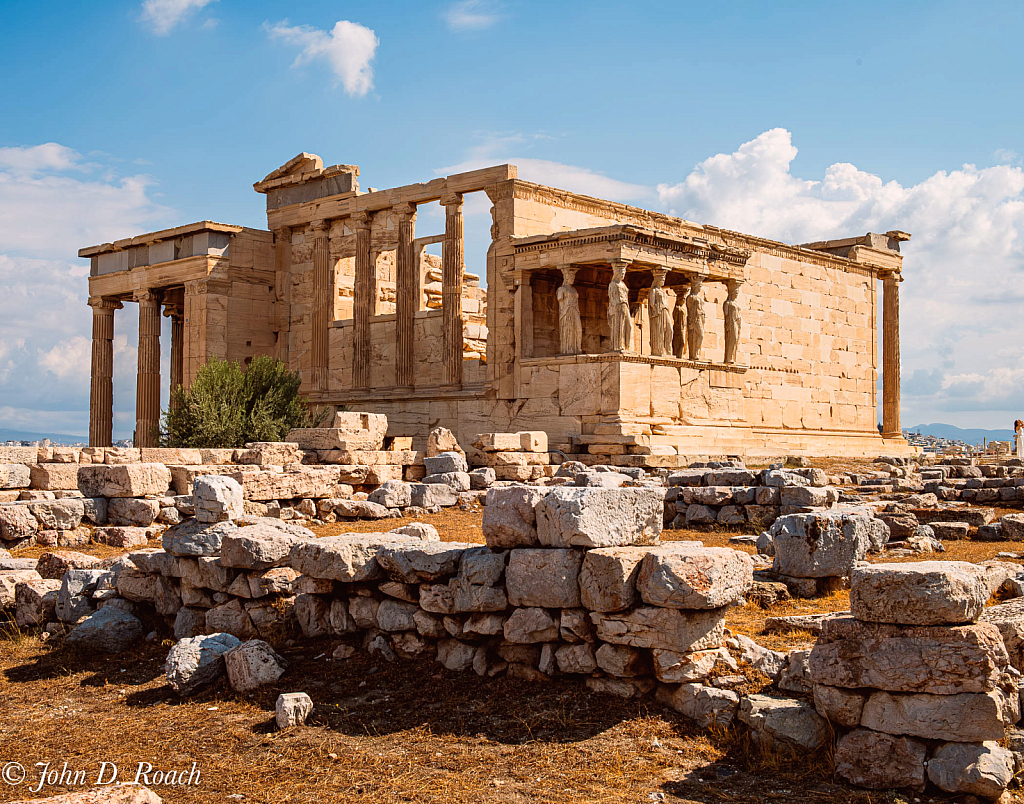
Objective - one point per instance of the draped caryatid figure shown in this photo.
(733, 322)
(695, 317)
(620, 322)
(660, 310)
(570, 327)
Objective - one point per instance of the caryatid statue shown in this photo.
(620, 322)
(733, 321)
(570, 328)
(695, 317)
(660, 311)
(679, 330)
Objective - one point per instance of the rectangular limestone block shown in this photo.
(14, 476)
(498, 442)
(600, 517)
(942, 660)
(19, 454)
(333, 438)
(269, 453)
(533, 441)
(300, 482)
(54, 476)
(171, 455)
(964, 717)
(124, 480)
(665, 629)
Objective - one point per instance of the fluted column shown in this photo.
(147, 389)
(407, 296)
(320, 319)
(452, 268)
(364, 300)
(891, 354)
(101, 392)
(176, 314)
(282, 290)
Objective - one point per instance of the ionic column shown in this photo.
(320, 318)
(407, 295)
(891, 355)
(176, 314)
(364, 305)
(452, 268)
(282, 294)
(101, 392)
(147, 388)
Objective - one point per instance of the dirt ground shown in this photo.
(407, 732)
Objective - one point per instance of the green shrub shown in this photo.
(228, 406)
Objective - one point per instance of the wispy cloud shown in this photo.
(163, 15)
(472, 15)
(348, 49)
(497, 148)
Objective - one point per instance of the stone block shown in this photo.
(597, 517)
(426, 495)
(533, 441)
(820, 545)
(15, 476)
(608, 577)
(292, 709)
(784, 723)
(942, 660)
(919, 593)
(682, 577)
(879, 761)
(194, 538)
(706, 706)
(667, 629)
(422, 562)
(548, 578)
(964, 717)
(124, 480)
(63, 514)
(839, 706)
(54, 476)
(269, 453)
(216, 498)
(348, 557)
(446, 462)
(681, 668)
(510, 518)
(530, 625)
(132, 512)
(196, 662)
(258, 547)
(979, 769)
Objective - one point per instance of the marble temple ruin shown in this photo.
(617, 330)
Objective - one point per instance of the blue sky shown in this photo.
(795, 121)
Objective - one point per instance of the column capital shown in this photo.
(147, 296)
(404, 210)
(173, 311)
(320, 226)
(103, 303)
(360, 219)
(282, 232)
(451, 199)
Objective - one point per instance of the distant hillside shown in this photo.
(972, 436)
(7, 434)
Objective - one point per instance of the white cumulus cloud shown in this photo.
(50, 206)
(163, 15)
(348, 49)
(472, 15)
(963, 269)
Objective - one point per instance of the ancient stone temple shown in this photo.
(608, 326)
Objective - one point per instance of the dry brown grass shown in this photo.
(395, 733)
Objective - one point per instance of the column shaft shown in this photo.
(407, 296)
(282, 290)
(321, 313)
(101, 392)
(891, 355)
(147, 395)
(364, 298)
(177, 349)
(452, 268)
